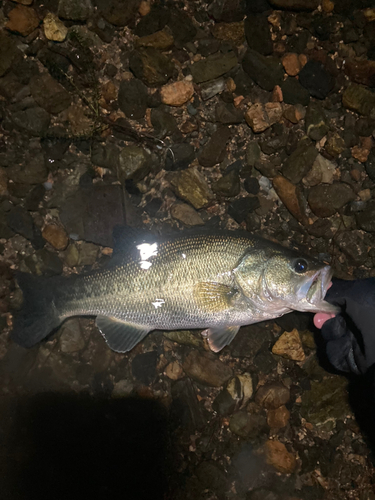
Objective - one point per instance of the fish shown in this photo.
(216, 282)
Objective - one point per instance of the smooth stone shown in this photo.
(228, 185)
(361, 71)
(185, 213)
(206, 370)
(177, 93)
(35, 121)
(326, 200)
(54, 28)
(70, 336)
(161, 40)
(184, 337)
(132, 99)
(23, 20)
(279, 457)
(134, 163)
(316, 79)
(164, 123)
(300, 162)
(183, 154)
(151, 66)
(56, 236)
(182, 27)
(366, 219)
(228, 114)
(258, 34)
(360, 99)
(213, 67)
(316, 121)
(9, 53)
(292, 198)
(49, 94)
(210, 89)
(75, 10)
(267, 72)
(252, 153)
(272, 395)
(247, 425)
(118, 12)
(335, 145)
(239, 209)
(322, 171)
(214, 150)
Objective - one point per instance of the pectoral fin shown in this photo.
(119, 335)
(219, 337)
(214, 297)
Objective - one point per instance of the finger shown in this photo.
(334, 328)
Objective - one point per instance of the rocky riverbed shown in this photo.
(226, 114)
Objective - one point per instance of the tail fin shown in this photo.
(38, 315)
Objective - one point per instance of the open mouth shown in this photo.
(318, 289)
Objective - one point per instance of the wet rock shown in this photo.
(291, 63)
(214, 150)
(91, 214)
(184, 337)
(9, 53)
(20, 221)
(134, 163)
(272, 395)
(105, 155)
(154, 21)
(289, 346)
(182, 28)
(208, 46)
(35, 121)
(224, 403)
(31, 171)
(262, 116)
(316, 121)
(279, 457)
(265, 71)
(297, 5)
(249, 340)
(144, 367)
(294, 93)
(191, 186)
(292, 198)
(122, 389)
(23, 20)
(230, 32)
(54, 28)
(210, 89)
(183, 155)
(278, 418)
(49, 94)
(213, 66)
(43, 262)
(370, 165)
(300, 162)
(361, 71)
(206, 370)
(228, 185)
(251, 184)
(227, 113)
(366, 219)
(274, 144)
(247, 425)
(117, 12)
(335, 145)
(56, 236)
(359, 99)
(177, 93)
(322, 171)
(151, 66)
(226, 10)
(161, 40)
(258, 34)
(70, 336)
(239, 209)
(326, 200)
(211, 476)
(316, 79)
(326, 401)
(186, 214)
(252, 153)
(351, 243)
(163, 122)
(73, 10)
(294, 113)
(132, 99)
(174, 370)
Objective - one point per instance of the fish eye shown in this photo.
(300, 266)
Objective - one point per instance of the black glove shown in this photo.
(350, 336)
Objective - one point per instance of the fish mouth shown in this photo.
(319, 284)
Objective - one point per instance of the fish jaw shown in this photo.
(311, 294)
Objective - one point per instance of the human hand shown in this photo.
(350, 336)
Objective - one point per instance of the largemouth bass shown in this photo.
(216, 282)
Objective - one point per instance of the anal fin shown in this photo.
(119, 335)
(219, 337)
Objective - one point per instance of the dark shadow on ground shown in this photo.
(76, 447)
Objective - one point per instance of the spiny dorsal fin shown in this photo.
(119, 335)
(219, 337)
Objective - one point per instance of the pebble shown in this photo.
(262, 116)
(300, 161)
(164, 123)
(206, 370)
(151, 66)
(183, 155)
(335, 145)
(191, 186)
(252, 153)
(316, 79)
(185, 213)
(212, 88)
(227, 113)
(258, 34)
(74, 11)
(292, 198)
(316, 121)
(291, 63)
(177, 93)
(366, 219)
(247, 425)
(278, 418)
(23, 20)
(360, 71)
(359, 153)
(33, 120)
(230, 32)
(322, 171)
(294, 93)
(360, 99)
(70, 336)
(49, 94)
(144, 367)
(213, 67)
(228, 185)
(135, 163)
(54, 28)
(325, 200)
(266, 71)
(239, 209)
(56, 236)
(132, 98)
(279, 457)
(272, 395)
(289, 346)
(294, 113)
(161, 40)
(214, 151)
(122, 389)
(174, 370)
(184, 337)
